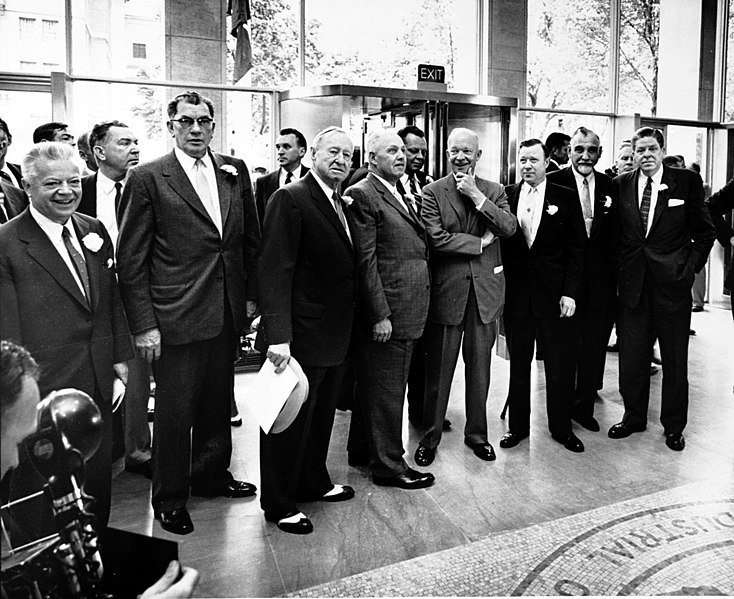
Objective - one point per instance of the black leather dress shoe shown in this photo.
(234, 489)
(176, 521)
(411, 479)
(235, 420)
(675, 441)
(446, 425)
(145, 469)
(570, 442)
(510, 439)
(622, 430)
(424, 456)
(588, 422)
(484, 451)
(344, 493)
(288, 523)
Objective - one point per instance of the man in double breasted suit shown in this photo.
(393, 291)
(544, 263)
(60, 297)
(307, 294)
(665, 235)
(463, 215)
(187, 255)
(596, 302)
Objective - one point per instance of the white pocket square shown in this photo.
(672, 203)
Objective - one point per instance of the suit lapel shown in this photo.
(44, 253)
(82, 230)
(327, 209)
(178, 181)
(225, 184)
(456, 202)
(599, 201)
(392, 201)
(668, 179)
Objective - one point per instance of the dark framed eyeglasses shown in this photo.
(186, 122)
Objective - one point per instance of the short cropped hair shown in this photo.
(47, 131)
(648, 132)
(584, 132)
(324, 132)
(190, 97)
(99, 131)
(300, 139)
(51, 150)
(410, 130)
(4, 127)
(556, 140)
(529, 143)
(16, 363)
(374, 138)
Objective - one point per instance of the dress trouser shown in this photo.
(442, 346)
(192, 435)
(135, 410)
(637, 330)
(417, 382)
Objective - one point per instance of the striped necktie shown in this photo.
(645, 204)
(80, 265)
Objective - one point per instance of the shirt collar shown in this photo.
(188, 162)
(51, 228)
(107, 184)
(327, 190)
(540, 188)
(392, 187)
(580, 178)
(656, 178)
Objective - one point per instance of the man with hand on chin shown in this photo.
(544, 263)
(463, 215)
(665, 235)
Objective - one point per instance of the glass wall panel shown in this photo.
(638, 60)
(382, 42)
(23, 112)
(729, 99)
(568, 54)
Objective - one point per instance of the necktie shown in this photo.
(586, 206)
(340, 213)
(202, 188)
(79, 264)
(526, 219)
(408, 201)
(118, 195)
(645, 204)
(412, 181)
(288, 178)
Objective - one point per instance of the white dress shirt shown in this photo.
(106, 204)
(329, 194)
(284, 174)
(530, 207)
(189, 166)
(393, 189)
(641, 182)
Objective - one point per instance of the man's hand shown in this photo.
(121, 371)
(279, 355)
(251, 309)
(488, 238)
(382, 330)
(168, 587)
(467, 186)
(148, 344)
(568, 306)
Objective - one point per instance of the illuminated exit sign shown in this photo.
(431, 73)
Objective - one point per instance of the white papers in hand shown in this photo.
(268, 394)
(118, 393)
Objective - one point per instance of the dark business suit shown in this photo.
(467, 295)
(719, 204)
(596, 302)
(74, 343)
(307, 295)
(536, 278)
(267, 185)
(393, 282)
(14, 200)
(178, 274)
(656, 272)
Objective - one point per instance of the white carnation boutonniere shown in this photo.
(552, 209)
(229, 169)
(348, 201)
(607, 203)
(92, 242)
(110, 262)
(662, 187)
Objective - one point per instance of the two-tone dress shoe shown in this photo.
(622, 430)
(588, 422)
(510, 439)
(484, 451)
(145, 468)
(295, 523)
(410, 479)
(675, 441)
(176, 521)
(569, 441)
(234, 489)
(338, 493)
(424, 456)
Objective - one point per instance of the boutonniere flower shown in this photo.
(92, 242)
(110, 262)
(662, 187)
(348, 201)
(552, 209)
(607, 202)
(229, 169)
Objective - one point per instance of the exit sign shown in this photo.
(431, 73)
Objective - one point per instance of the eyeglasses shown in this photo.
(186, 123)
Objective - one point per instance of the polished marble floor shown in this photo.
(538, 521)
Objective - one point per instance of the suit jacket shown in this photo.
(677, 245)
(599, 282)
(174, 268)
(44, 309)
(88, 205)
(307, 275)
(454, 229)
(392, 260)
(15, 199)
(538, 276)
(267, 185)
(15, 169)
(719, 204)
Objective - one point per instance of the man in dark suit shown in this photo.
(719, 204)
(463, 215)
(290, 148)
(544, 263)
(60, 297)
(557, 144)
(12, 201)
(307, 295)
(187, 260)
(596, 302)
(665, 234)
(9, 173)
(394, 289)
(115, 150)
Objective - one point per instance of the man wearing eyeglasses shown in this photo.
(187, 267)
